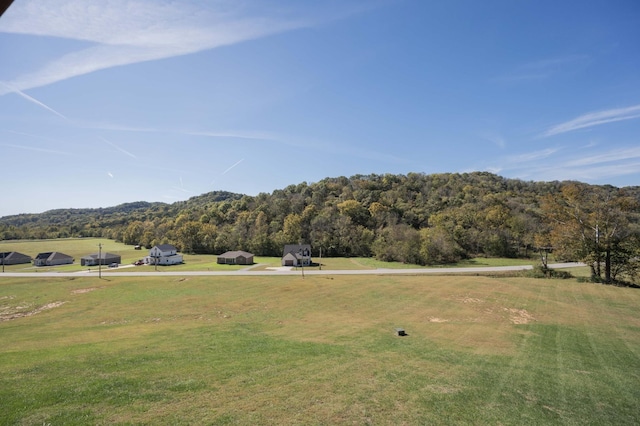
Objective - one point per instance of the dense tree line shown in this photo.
(414, 218)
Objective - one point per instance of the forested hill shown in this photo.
(415, 218)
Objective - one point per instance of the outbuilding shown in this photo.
(237, 257)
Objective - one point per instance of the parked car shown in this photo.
(113, 265)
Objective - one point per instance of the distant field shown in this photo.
(323, 350)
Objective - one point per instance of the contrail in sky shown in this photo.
(31, 148)
(35, 101)
(118, 148)
(233, 166)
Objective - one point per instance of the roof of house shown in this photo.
(296, 248)
(101, 256)
(11, 254)
(6, 253)
(52, 255)
(166, 247)
(236, 253)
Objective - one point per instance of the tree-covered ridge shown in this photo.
(414, 218)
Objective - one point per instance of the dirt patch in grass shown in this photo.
(519, 316)
(85, 290)
(15, 315)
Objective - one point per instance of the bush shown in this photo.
(539, 271)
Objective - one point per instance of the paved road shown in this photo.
(284, 272)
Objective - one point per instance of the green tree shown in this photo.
(292, 229)
(437, 246)
(595, 225)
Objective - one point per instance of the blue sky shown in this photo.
(112, 101)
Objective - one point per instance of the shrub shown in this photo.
(540, 271)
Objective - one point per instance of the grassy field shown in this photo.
(323, 350)
(79, 247)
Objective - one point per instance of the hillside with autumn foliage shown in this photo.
(415, 218)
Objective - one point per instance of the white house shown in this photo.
(296, 255)
(164, 254)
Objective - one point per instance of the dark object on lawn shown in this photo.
(400, 332)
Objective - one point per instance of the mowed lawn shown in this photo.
(320, 350)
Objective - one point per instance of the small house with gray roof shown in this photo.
(14, 258)
(296, 255)
(100, 259)
(52, 258)
(237, 257)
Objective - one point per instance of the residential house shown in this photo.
(296, 255)
(237, 257)
(14, 258)
(163, 254)
(52, 258)
(100, 259)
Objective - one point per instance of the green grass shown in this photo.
(319, 350)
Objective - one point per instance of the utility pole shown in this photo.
(320, 264)
(301, 253)
(100, 260)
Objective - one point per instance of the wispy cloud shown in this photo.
(546, 68)
(235, 135)
(586, 166)
(595, 119)
(593, 173)
(495, 138)
(127, 32)
(117, 127)
(607, 157)
(531, 156)
(216, 134)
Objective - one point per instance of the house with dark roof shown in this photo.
(237, 257)
(163, 254)
(14, 258)
(52, 258)
(296, 255)
(100, 259)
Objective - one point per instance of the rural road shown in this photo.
(285, 272)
